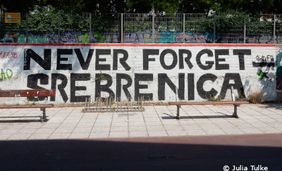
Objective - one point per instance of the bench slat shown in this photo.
(27, 93)
(209, 103)
(9, 106)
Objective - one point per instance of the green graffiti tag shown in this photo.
(6, 74)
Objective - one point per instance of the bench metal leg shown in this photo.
(235, 115)
(44, 117)
(178, 112)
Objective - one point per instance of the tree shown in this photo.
(145, 6)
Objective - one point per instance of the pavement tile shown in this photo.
(156, 128)
(27, 130)
(140, 124)
(196, 132)
(4, 136)
(34, 125)
(50, 125)
(44, 130)
(137, 128)
(85, 125)
(176, 133)
(19, 136)
(138, 134)
(79, 136)
(82, 130)
(38, 136)
(59, 136)
(251, 131)
(119, 123)
(118, 134)
(233, 131)
(214, 131)
(119, 129)
(157, 133)
(99, 135)
(174, 128)
(8, 131)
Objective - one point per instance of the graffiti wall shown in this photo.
(158, 72)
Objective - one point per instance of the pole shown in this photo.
(183, 28)
(214, 29)
(153, 25)
(274, 28)
(121, 28)
(245, 31)
(90, 28)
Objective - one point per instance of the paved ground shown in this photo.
(155, 121)
(207, 139)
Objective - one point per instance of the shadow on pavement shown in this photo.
(198, 117)
(117, 155)
(272, 105)
(19, 119)
(223, 115)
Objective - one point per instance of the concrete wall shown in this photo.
(161, 72)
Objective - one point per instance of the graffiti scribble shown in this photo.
(8, 54)
(6, 74)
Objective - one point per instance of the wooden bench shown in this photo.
(29, 93)
(234, 103)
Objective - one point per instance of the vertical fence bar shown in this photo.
(58, 37)
(153, 25)
(90, 28)
(184, 20)
(183, 28)
(245, 30)
(274, 28)
(214, 29)
(90, 22)
(121, 27)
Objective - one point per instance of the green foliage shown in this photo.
(255, 26)
(144, 6)
(63, 15)
(221, 22)
(49, 19)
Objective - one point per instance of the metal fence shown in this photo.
(154, 28)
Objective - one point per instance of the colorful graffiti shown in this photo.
(264, 65)
(129, 37)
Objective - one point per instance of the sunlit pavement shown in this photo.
(206, 138)
(155, 121)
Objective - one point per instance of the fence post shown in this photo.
(122, 28)
(274, 28)
(153, 25)
(245, 31)
(90, 28)
(184, 20)
(183, 27)
(214, 29)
